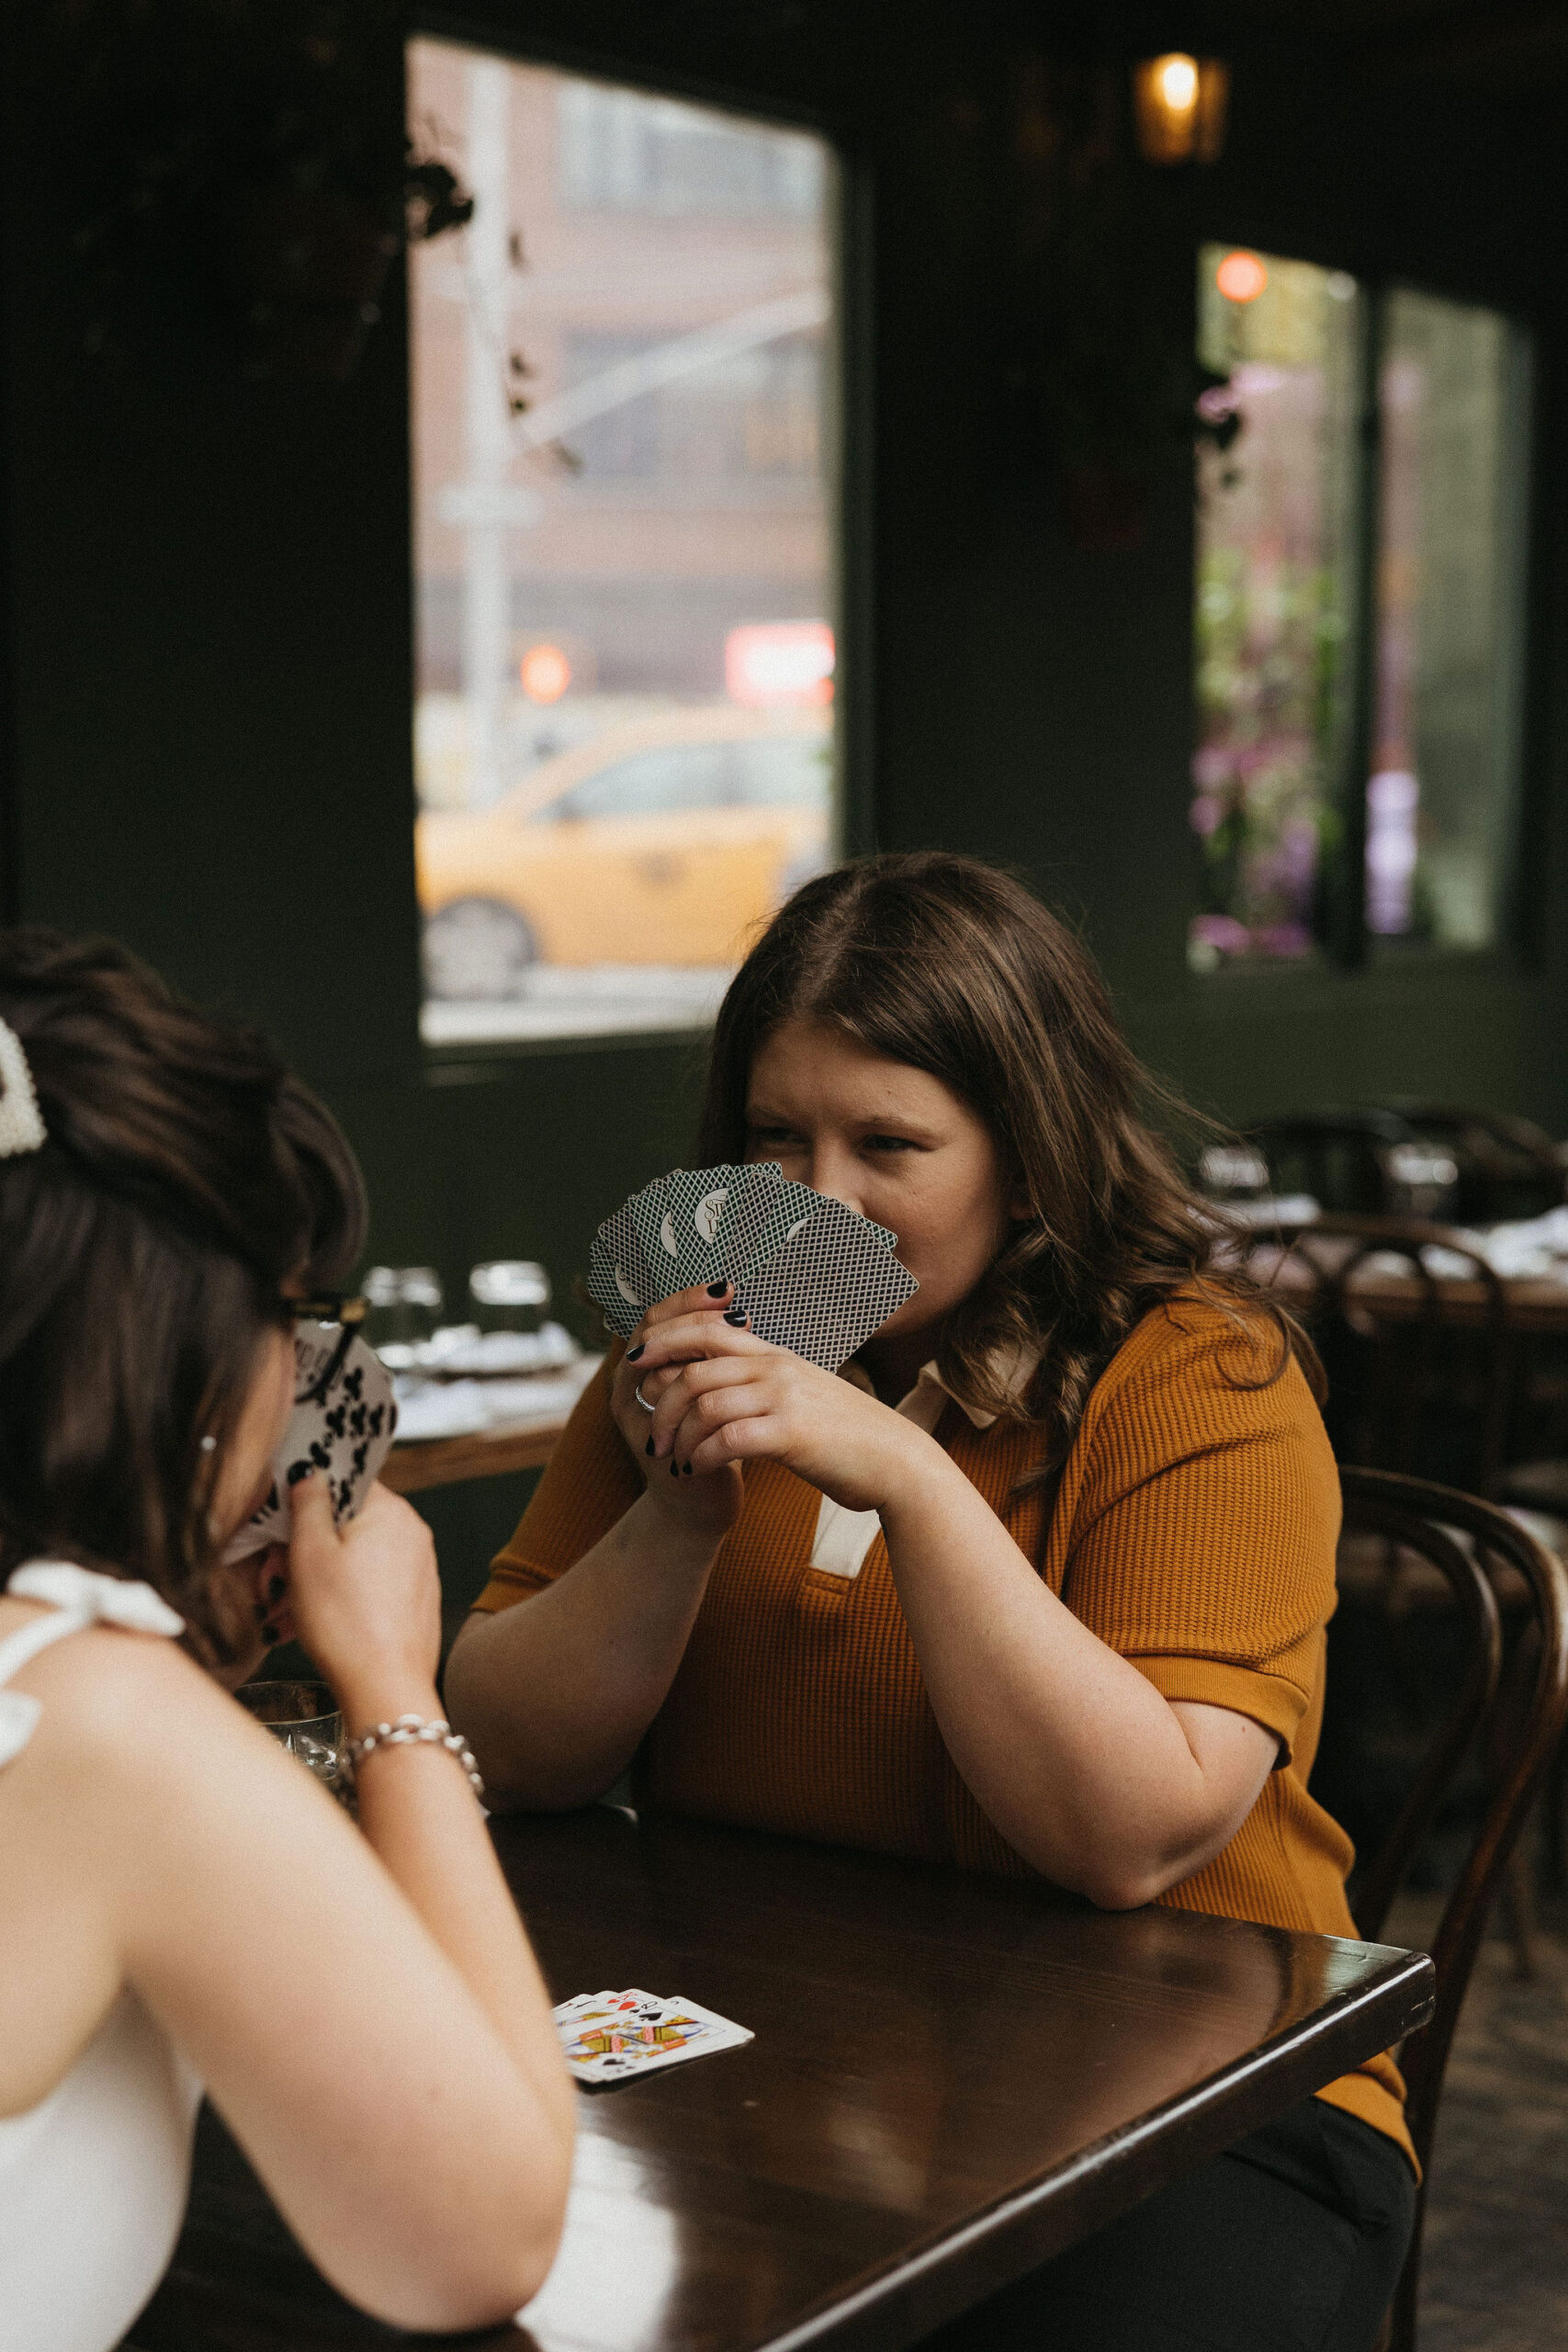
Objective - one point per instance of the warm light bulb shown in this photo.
(1241, 278)
(1179, 83)
(1179, 107)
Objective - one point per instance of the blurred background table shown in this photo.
(414, 1468)
(511, 1437)
(952, 2078)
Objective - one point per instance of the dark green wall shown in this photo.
(209, 637)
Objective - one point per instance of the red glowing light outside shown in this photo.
(546, 673)
(1241, 278)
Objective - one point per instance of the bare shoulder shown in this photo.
(114, 1703)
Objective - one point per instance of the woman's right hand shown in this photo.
(365, 1600)
(700, 1504)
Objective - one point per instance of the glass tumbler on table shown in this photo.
(302, 1717)
(514, 1337)
(1234, 1175)
(508, 1294)
(1422, 1180)
(404, 1307)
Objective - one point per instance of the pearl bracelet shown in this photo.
(414, 1731)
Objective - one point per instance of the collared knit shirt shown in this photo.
(1192, 1529)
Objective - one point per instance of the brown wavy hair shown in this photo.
(953, 968)
(188, 1175)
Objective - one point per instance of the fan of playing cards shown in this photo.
(812, 1276)
(613, 2037)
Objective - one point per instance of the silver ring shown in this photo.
(642, 1400)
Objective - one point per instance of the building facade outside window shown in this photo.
(1362, 549)
(624, 438)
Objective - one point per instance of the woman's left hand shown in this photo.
(256, 1589)
(743, 1400)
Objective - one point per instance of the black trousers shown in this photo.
(1292, 2241)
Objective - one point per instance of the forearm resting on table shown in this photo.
(1087, 1770)
(555, 1693)
(418, 1811)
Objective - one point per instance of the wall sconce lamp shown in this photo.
(1179, 107)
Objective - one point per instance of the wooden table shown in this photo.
(414, 1466)
(484, 1453)
(952, 2078)
(1535, 1304)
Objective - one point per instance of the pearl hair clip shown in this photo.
(21, 1123)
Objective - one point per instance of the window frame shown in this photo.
(848, 414)
(1346, 945)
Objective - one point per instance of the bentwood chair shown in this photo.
(1507, 1166)
(1511, 1595)
(1419, 1353)
(1340, 1157)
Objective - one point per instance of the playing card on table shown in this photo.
(344, 1429)
(611, 2037)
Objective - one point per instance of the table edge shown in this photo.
(904, 2299)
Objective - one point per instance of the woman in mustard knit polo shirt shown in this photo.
(1037, 1585)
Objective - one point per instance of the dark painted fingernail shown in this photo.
(736, 1316)
(633, 1354)
(686, 1468)
(716, 1290)
(648, 1447)
(277, 1587)
(263, 1612)
(674, 1469)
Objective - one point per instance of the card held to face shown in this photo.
(814, 1276)
(614, 2036)
(342, 1424)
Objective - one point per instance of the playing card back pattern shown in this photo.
(813, 1275)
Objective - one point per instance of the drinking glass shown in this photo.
(1423, 1181)
(304, 1718)
(1231, 1173)
(509, 1293)
(404, 1307)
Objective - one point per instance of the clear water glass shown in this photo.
(509, 1293)
(303, 1717)
(1231, 1172)
(1423, 1181)
(404, 1308)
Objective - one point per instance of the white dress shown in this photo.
(93, 2179)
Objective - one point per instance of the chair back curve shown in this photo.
(1514, 1696)
(1391, 1359)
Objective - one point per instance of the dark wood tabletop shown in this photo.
(952, 2078)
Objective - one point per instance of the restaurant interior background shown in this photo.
(208, 642)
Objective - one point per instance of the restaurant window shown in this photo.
(1360, 579)
(625, 398)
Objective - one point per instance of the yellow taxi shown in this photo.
(662, 841)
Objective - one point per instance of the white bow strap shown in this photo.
(94, 1598)
(19, 1713)
(21, 1121)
